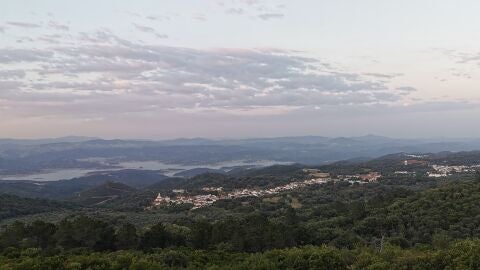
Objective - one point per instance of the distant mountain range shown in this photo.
(67, 139)
(25, 156)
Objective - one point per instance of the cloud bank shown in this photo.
(101, 73)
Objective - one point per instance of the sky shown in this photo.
(239, 68)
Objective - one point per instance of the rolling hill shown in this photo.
(13, 206)
(101, 194)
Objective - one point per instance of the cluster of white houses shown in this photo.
(446, 170)
(203, 200)
(438, 170)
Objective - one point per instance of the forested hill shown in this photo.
(394, 162)
(399, 220)
(12, 206)
(66, 189)
(336, 227)
(103, 193)
(450, 212)
(344, 216)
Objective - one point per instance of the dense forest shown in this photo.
(459, 255)
(338, 226)
(399, 222)
(12, 206)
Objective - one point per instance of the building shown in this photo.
(162, 200)
(370, 177)
(436, 175)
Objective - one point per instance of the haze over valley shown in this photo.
(71, 157)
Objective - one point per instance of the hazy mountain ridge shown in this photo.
(312, 150)
(154, 181)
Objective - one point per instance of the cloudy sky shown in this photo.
(239, 68)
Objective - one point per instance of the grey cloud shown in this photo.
(256, 9)
(24, 39)
(269, 16)
(150, 30)
(146, 29)
(10, 89)
(199, 17)
(250, 2)
(396, 109)
(243, 2)
(161, 35)
(96, 65)
(235, 11)
(406, 88)
(162, 17)
(104, 70)
(461, 59)
(58, 26)
(8, 55)
(462, 75)
(12, 74)
(135, 14)
(50, 38)
(381, 75)
(23, 24)
(87, 85)
(467, 57)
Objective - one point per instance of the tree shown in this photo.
(201, 234)
(13, 235)
(291, 217)
(126, 237)
(86, 232)
(156, 237)
(42, 234)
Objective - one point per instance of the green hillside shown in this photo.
(399, 222)
(13, 206)
(103, 193)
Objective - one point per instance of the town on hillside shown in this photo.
(216, 193)
(315, 177)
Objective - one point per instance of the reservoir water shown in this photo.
(167, 169)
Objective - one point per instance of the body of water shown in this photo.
(167, 169)
(49, 175)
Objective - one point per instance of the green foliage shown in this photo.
(127, 237)
(85, 232)
(156, 237)
(344, 216)
(398, 223)
(462, 255)
(13, 206)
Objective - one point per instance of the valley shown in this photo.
(407, 202)
(165, 169)
(66, 158)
